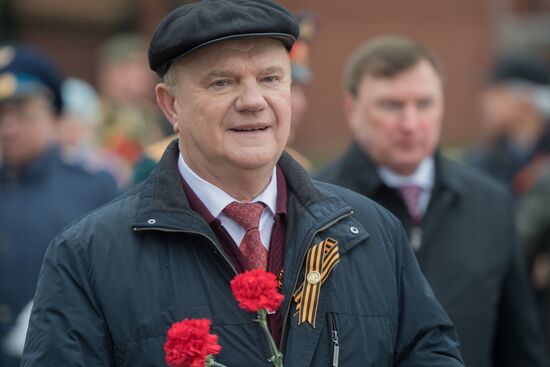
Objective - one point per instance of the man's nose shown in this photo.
(8, 123)
(251, 97)
(410, 117)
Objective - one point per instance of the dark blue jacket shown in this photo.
(36, 202)
(114, 282)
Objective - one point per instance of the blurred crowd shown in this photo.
(480, 228)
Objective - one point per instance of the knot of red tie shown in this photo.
(247, 215)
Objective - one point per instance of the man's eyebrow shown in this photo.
(218, 73)
(221, 73)
(388, 99)
(273, 70)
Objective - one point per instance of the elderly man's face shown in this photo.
(27, 127)
(232, 105)
(398, 120)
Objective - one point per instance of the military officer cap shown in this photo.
(203, 23)
(25, 71)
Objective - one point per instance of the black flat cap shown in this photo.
(202, 23)
(520, 67)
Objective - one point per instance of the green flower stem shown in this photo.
(210, 362)
(277, 357)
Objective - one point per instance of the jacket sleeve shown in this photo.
(533, 219)
(66, 327)
(426, 337)
(518, 338)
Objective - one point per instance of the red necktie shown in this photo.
(248, 216)
(411, 197)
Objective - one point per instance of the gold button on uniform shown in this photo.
(8, 85)
(313, 277)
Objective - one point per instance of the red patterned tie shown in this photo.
(411, 197)
(248, 216)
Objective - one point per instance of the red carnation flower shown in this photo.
(256, 289)
(188, 343)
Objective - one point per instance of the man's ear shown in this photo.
(166, 101)
(350, 109)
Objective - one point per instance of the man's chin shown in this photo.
(405, 166)
(256, 161)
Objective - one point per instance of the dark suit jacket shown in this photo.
(469, 254)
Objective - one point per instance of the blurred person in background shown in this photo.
(533, 221)
(77, 127)
(300, 60)
(77, 131)
(130, 120)
(39, 192)
(460, 223)
(515, 112)
(515, 146)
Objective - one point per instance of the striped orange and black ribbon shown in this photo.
(320, 261)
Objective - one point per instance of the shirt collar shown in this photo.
(215, 199)
(423, 177)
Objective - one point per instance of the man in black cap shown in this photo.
(39, 192)
(114, 282)
(515, 111)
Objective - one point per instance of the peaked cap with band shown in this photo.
(26, 71)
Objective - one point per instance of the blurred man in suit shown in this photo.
(460, 223)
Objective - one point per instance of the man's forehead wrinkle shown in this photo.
(232, 69)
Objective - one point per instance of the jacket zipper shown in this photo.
(219, 250)
(335, 341)
(310, 239)
(212, 243)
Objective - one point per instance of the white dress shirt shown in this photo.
(215, 200)
(423, 177)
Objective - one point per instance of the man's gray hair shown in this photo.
(170, 77)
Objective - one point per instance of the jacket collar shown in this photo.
(356, 160)
(366, 175)
(163, 201)
(446, 176)
(163, 204)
